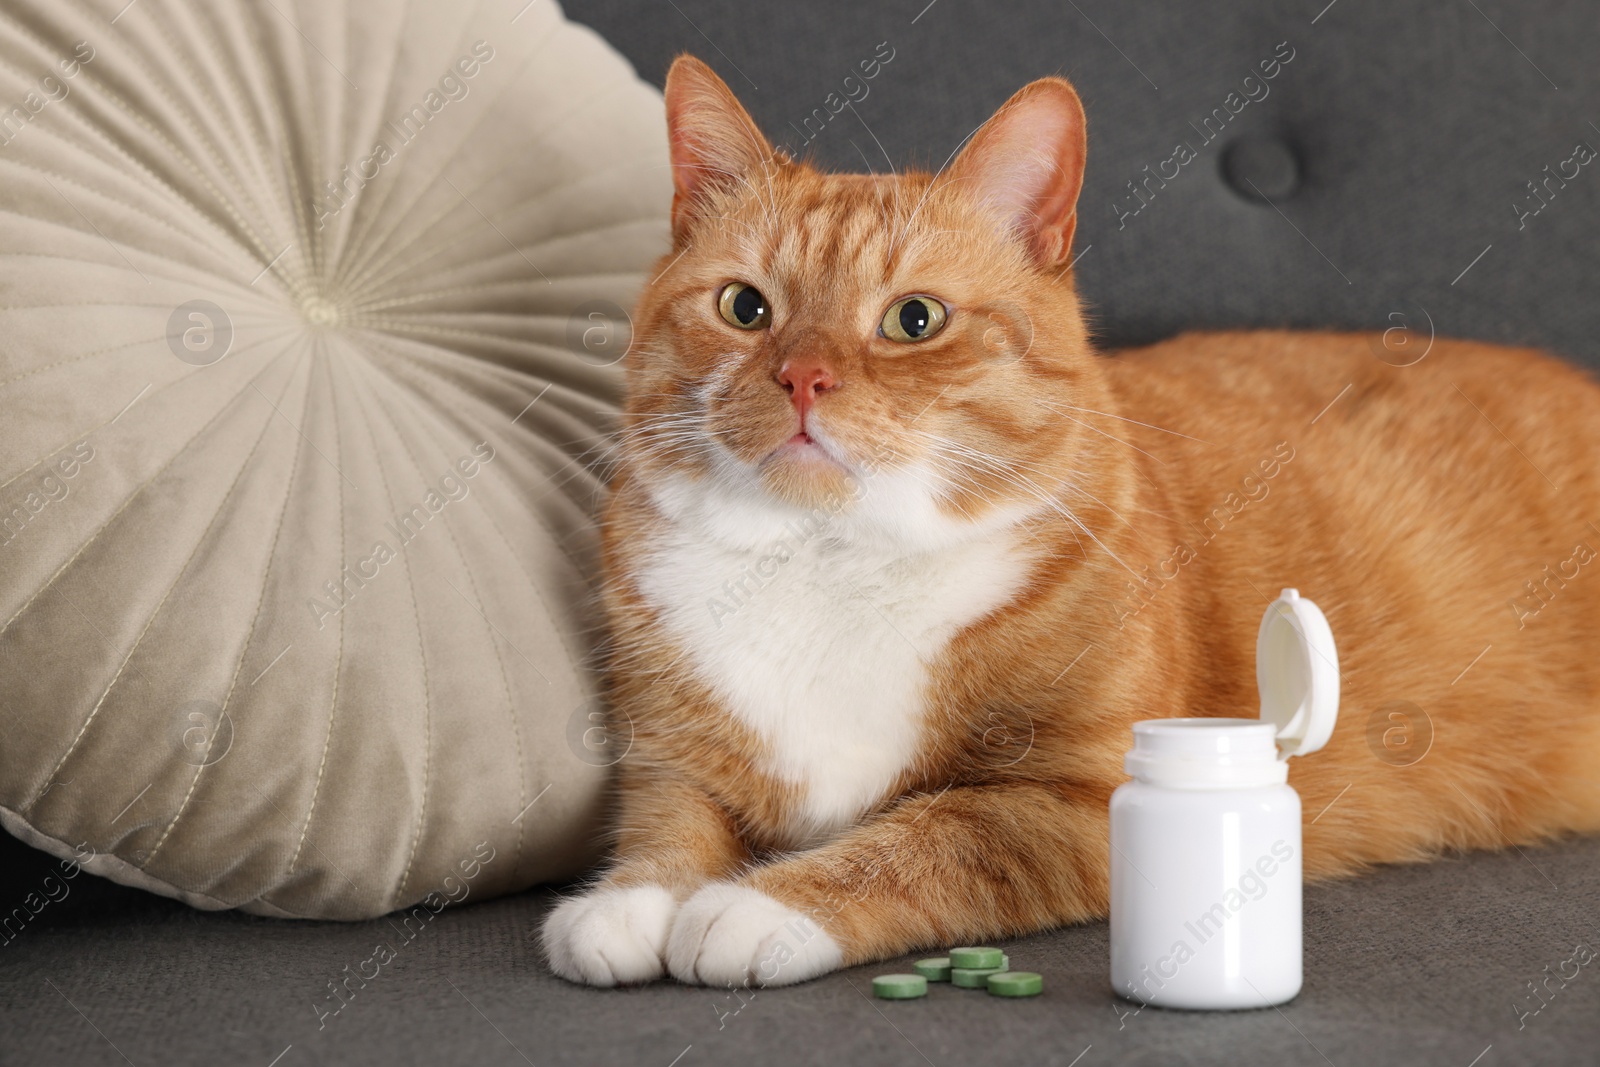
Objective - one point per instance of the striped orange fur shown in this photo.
(882, 613)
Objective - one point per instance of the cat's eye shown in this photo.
(916, 318)
(743, 306)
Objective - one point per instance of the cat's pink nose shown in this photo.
(803, 379)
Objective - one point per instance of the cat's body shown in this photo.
(880, 672)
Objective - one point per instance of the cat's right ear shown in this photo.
(714, 142)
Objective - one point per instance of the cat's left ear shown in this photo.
(1027, 163)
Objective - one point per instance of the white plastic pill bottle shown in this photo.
(1205, 840)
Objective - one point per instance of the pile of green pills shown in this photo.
(969, 968)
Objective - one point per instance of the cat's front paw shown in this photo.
(734, 935)
(611, 936)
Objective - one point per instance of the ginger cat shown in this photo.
(895, 559)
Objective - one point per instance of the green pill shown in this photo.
(899, 986)
(976, 958)
(974, 977)
(935, 970)
(1015, 984)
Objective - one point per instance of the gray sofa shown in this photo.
(1380, 178)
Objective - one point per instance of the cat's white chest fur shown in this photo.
(823, 648)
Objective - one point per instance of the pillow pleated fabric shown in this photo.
(310, 329)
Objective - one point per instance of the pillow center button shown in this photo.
(1262, 168)
(319, 312)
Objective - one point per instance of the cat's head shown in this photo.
(898, 354)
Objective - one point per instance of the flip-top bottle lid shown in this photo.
(1297, 673)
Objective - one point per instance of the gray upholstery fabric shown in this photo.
(1414, 129)
(1415, 967)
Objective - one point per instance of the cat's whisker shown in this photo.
(1102, 433)
(660, 422)
(892, 172)
(1030, 489)
(929, 187)
(1075, 488)
(1136, 422)
(1065, 483)
(740, 178)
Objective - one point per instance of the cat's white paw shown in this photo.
(733, 935)
(611, 936)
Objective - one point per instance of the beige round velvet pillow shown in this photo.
(310, 316)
